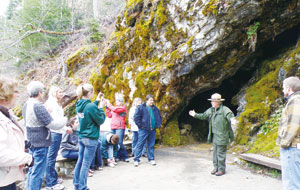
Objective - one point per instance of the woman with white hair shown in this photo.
(90, 116)
(12, 154)
(118, 115)
(53, 105)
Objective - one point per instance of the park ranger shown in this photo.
(220, 131)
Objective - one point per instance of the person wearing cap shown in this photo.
(220, 131)
(38, 122)
(118, 115)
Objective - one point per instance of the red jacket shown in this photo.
(117, 115)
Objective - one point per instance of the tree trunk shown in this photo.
(96, 9)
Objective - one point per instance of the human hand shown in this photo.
(102, 103)
(192, 113)
(69, 130)
(100, 96)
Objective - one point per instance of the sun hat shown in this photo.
(216, 97)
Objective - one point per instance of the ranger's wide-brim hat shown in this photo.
(216, 97)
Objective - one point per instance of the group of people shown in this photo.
(45, 125)
(47, 131)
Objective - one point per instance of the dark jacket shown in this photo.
(69, 142)
(104, 137)
(220, 131)
(142, 117)
(90, 118)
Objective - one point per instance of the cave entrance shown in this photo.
(230, 87)
(198, 129)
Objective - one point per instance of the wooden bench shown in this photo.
(262, 160)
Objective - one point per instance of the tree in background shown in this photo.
(36, 29)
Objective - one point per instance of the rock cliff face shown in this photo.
(176, 49)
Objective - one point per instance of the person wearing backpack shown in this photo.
(220, 131)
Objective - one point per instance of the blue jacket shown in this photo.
(142, 117)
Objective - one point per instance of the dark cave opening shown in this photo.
(231, 86)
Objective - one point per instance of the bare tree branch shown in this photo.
(38, 30)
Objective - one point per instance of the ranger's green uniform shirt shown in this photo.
(220, 131)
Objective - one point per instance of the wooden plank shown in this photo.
(262, 160)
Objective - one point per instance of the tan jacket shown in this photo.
(289, 127)
(12, 155)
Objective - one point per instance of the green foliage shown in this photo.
(272, 123)
(70, 111)
(264, 170)
(25, 21)
(252, 30)
(94, 33)
(11, 8)
(265, 141)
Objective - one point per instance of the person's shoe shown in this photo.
(220, 173)
(145, 155)
(60, 180)
(214, 171)
(91, 171)
(90, 174)
(136, 164)
(117, 159)
(56, 187)
(126, 160)
(99, 168)
(111, 164)
(152, 162)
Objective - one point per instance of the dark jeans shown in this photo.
(9, 187)
(145, 136)
(70, 154)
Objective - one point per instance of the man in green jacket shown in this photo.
(220, 131)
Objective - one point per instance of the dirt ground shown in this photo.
(185, 168)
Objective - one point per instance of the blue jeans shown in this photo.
(97, 161)
(70, 154)
(51, 175)
(135, 138)
(122, 153)
(290, 167)
(36, 172)
(87, 149)
(12, 186)
(145, 135)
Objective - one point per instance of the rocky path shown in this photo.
(185, 168)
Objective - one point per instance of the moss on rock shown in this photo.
(171, 133)
(81, 57)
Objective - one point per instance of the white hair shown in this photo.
(34, 87)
